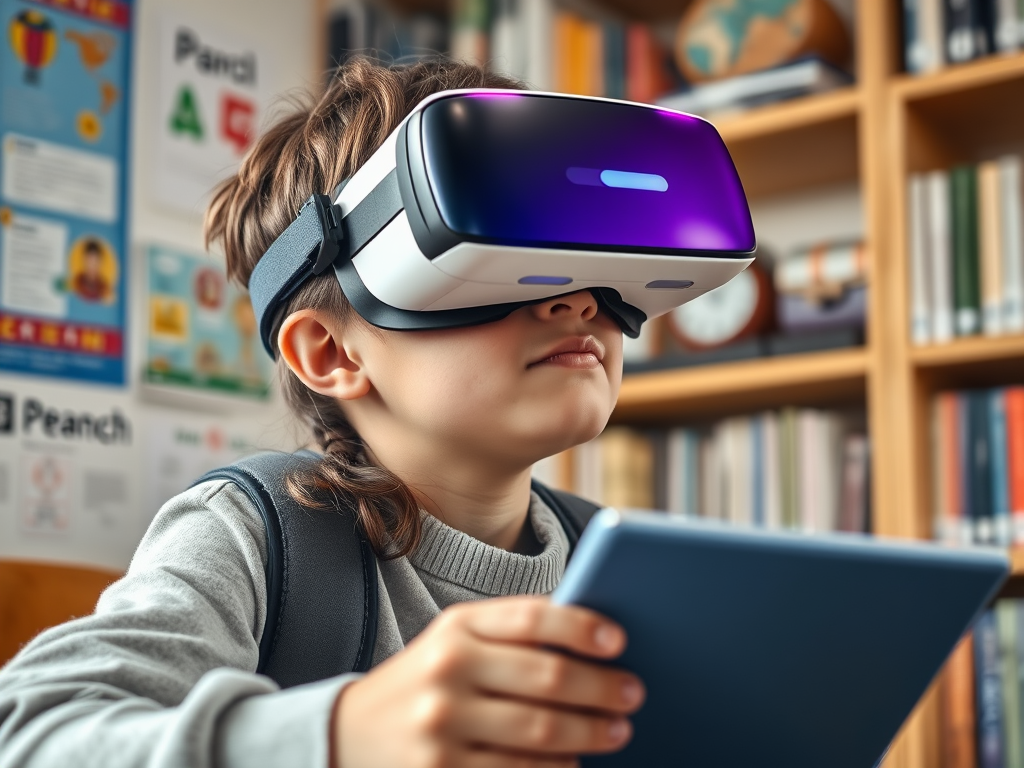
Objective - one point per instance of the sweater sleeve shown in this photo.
(161, 675)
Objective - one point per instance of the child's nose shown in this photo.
(581, 304)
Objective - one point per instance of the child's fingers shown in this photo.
(533, 673)
(484, 758)
(538, 730)
(537, 621)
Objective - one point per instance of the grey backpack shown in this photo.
(322, 572)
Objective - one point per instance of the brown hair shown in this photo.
(311, 151)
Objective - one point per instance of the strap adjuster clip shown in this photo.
(332, 235)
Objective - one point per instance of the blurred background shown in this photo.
(864, 375)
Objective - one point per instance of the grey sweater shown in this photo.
(162, 673)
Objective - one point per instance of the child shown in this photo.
(433, 433)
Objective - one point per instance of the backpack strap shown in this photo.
(321, 576)
(572, 511)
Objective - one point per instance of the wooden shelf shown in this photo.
(965, 113)
(795, 144)
(969, 350)
(970, 362)
(820, 378)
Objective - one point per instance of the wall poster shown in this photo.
(202, 331)
(210, 97)
(63, 148)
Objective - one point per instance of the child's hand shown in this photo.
(478, 688)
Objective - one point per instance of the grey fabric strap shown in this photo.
(312, 243)
(322, 587)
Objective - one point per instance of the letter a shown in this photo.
(185, 118)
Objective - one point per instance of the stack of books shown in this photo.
(966, 251)
(978, 466)
(537, 41)
(799, 469)
(941, 32)
(983, 721)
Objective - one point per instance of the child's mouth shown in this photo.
(582, 352)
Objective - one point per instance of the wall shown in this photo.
(114, 487)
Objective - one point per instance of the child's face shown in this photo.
(516, 390)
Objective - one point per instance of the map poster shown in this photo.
(63, 145)
(202, 331)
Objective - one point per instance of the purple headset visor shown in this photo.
(522, 168)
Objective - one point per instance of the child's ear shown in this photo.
(314, 346)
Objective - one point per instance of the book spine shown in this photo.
(942, 524)
(675, 475)
(471, 22)
(940, 241)
(789, 468)
(693, 491)
(614, 60)
(968, 523)
(980, 467)
(931, 35)
(772, 470)
(959, 719)
(989, 692)
(538, 23)
(963, 216)
(912, 44)
(1011, 211)
(990, 247)
(1006, 625)
(1006, 26)
(853, 516)
(507, 38)
(1015, 457)
(757, 481)
(658, 441)
(920, 279)
(966, 34)
(1000, 492)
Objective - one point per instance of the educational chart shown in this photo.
(63, 141)
(202, 330)
(210, 96)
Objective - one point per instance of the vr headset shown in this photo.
(484, 201)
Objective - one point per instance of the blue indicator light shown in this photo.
(630, 180)
(668, 285)
(544, 280)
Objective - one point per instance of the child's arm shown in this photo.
(482, 686)
(155, 677)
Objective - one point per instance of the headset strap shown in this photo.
(318, 238)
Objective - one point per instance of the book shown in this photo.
(789, 469)
(959, 736)
(920, 263)
(1011, 213)
(1007, 19)
(1006, 627)
(967, 30)
(646, 77)
(799, 78)
(1014, 398)
(854, 504)
(508, 43)
(537, 24)
(772, 469)
(991, 749)
(999, 473)
(930, 55)
(470, 27)
(990, 249)
(614, 37)
(963, 202)
(939, 240)
(979, 466)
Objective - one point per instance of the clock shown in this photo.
(743, 307)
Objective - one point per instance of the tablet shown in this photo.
(773, 649)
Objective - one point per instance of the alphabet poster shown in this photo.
(209, 109)
(202, 330)
(63, 145)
